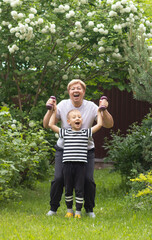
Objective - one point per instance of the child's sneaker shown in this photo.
(77, 216)
(69, 215)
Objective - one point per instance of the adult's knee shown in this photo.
(58, 179)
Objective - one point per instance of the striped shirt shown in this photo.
(75, 144)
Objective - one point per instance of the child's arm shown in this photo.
(52, 121)
(96, 127)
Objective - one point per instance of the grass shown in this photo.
(25, 218)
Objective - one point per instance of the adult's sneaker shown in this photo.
(51, 213)
(91, 214)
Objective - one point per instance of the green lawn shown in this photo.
(26, 218)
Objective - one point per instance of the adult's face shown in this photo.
(76, 93)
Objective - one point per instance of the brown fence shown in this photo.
(125, 110)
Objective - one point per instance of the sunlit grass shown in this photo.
(25, 218)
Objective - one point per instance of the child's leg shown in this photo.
(68, 182)
(79, 185)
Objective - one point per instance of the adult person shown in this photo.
(76, 89)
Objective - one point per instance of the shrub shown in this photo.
(24, 153)
(131, 153)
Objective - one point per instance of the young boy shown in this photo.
(74, 156)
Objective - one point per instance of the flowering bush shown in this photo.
(45, 44)
(24, 153)
(147, 180)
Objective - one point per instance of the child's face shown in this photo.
(75, 120)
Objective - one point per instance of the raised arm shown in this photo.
(96, 127)
(52, 122)
(48, 115)
(107, 119)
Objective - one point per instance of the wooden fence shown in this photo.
(125, 110)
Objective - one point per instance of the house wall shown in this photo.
(125, 111)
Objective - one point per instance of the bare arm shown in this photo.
(52, 122)
(107, 119)
(96, 127)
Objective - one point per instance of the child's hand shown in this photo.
(54, 107)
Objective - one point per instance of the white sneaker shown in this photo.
(51, 213)
(91, 214)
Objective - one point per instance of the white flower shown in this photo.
(13, 126)
(86, 39)
(106, 32)
(72, 13)
(27, 20)
(150, 48)
(14, 121)
(90, 23)
(49, 63)
(89, 14)
(27, 59)
(110, 1)
(101, 30)
(100, 25)
(59, 41)
(123, 1)
(65, 77)
(40, 21)
(20, 15)
(67, 15)
(148, 23)
(52, 30)
(117, 27)
(133, 8)
(66, 7)
(56, 135)
(112, 14)
(101, 49)
(127, 9)
(17, 34)
(95, 29)
(78, 24)
(31, 16)
(84, 1)
(14, 14)
(142, 27)
(61, 7)
(15, 3)
(71, 34)
(117, 55)
(33, 10)
(31, 124)
(76, 76)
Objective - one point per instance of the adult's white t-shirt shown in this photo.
(88, 112)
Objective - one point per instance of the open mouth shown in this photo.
(76, 95)
(77, 123)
